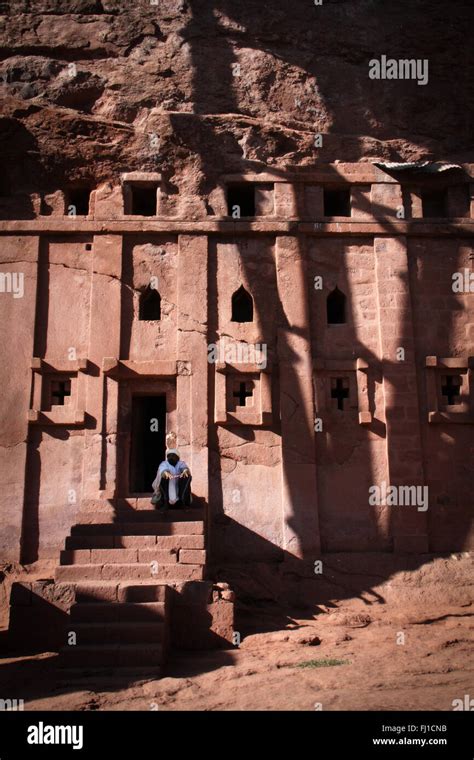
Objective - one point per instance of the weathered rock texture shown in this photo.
(88, 83)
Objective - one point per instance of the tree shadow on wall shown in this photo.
(358, 116)
(321, 82)
(345, 470)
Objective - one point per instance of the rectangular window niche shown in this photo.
(243, 395)
(449, 389)
(342, 387)
(141, 194)
(58, 393)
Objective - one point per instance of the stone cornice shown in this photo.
(391, 227)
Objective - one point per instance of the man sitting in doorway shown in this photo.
(172, 485)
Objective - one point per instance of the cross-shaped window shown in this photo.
(450, 389)
(60, 390)
(242, 394)
(339, 390)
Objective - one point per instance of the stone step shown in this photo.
(140, 593)
(92, 592)
(121, 556)
(117, 612)
(91, 517)
(118, 632)
(129, 556)
(192, 557)
(160, 543)
(118, 655)
(139, 529)
(135, 571)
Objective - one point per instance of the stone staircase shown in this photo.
(123, 567)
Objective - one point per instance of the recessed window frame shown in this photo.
(241, 302)
(150, 181)
(437, 369)
(147, 295)
(71, 200)
(334, 206)
(235, 187)
(432, 198)
(341, 305)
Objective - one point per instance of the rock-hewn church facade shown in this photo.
(308, 339)
(219, 228)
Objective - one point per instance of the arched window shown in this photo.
(150, 305)
(242, 306)
(336, 308)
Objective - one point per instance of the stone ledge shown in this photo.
(141, 177)
(118, 368)
(224, 225)
(451, 362)
(458, 418)
(62, 416)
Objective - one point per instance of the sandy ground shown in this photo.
(396, 655)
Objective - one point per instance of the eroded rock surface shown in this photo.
(194, 88)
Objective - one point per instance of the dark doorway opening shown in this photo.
(147, 444)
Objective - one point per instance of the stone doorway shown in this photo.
(147, 412)
(147, 441)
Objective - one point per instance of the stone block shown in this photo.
(192, 556)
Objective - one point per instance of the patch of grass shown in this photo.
(321, 663)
